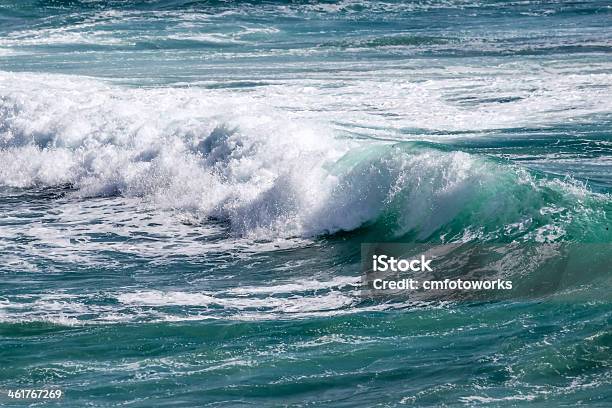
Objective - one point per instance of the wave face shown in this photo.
(192, 181)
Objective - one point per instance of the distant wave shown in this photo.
(272, 27)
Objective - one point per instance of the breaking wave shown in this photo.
(269, 173)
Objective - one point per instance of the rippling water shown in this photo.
(185, 185)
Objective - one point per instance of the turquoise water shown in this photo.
(185, 187)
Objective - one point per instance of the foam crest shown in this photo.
(216, 154)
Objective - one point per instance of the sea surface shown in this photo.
(185, 187)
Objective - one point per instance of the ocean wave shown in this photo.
(270, 173)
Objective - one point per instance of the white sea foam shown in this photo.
(331, 300)
(152, 306)
(299, 285)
